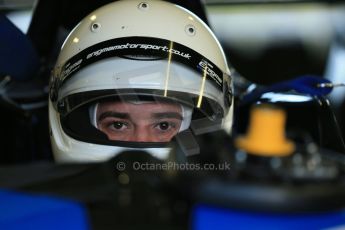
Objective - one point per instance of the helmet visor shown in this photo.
(128, 83)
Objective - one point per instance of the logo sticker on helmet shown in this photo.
(206, 66)
(138, 46)
(143, 46)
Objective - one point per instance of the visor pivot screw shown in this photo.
(143, 6)
(190, 30)
(95, 27)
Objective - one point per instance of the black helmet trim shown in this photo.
(139, 46)
(77, 126)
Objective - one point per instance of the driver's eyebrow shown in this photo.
(113, 114)
(167, 115)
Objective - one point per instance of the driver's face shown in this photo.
(145, 122)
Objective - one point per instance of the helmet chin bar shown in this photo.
(106, 154)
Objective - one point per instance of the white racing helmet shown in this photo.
(136, 53)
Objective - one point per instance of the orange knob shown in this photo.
(266, 136)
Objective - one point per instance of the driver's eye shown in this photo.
(164, 125)
(118, 125)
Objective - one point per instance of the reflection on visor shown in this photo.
(184, 71)
(138, 90)
(140, 121)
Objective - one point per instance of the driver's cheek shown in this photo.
(162, 136)
(144, 134)
(118, 135)
(151, 133)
